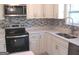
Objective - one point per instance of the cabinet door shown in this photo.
(35, 42)
(42, 11)
(1, 11)
(34, 11)
(60, 50)
(60, 46)
(30, 12)
(49, 44)
(50, 10)
(43, 43)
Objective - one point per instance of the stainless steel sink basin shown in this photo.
(66, 35)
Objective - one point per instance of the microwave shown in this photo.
(15, 10)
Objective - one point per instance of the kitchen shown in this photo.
(41, 27)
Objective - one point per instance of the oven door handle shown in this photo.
(17, 36)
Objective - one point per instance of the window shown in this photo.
(73, 12)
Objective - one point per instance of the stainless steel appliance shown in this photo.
(17, 40)
(73, 49)
(15, 10)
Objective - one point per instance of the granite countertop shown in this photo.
(53, 32)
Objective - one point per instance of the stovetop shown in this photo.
(15, 32)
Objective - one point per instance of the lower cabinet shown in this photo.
(56, 45)
(60, 46)
(46, 43)
(43, 43)
(35, 42)
(38, 43)
(49, 44)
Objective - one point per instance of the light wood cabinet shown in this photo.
(34, 11)
(60, 46)
(35, 42)
(38, 43)
(49, 43)
(44, 42)
(56, 45)
(42, 11)
(1, 11)
(50, 11)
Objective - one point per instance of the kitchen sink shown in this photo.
(66, 35)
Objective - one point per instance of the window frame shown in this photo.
(69, 11)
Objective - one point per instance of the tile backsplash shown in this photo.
(40, 22)
(31, 22)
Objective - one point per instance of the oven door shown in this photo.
(17, 43)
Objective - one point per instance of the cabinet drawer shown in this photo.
(62, 43)
(2, 48)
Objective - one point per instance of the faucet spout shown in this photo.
(71, 24)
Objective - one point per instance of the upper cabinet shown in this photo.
(50, 11)
(34, 11)
(1, 11)
(42, 11)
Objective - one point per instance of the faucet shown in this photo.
(72, 25)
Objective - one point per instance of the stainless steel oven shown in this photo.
(17, 40)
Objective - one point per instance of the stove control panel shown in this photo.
(15, 26)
